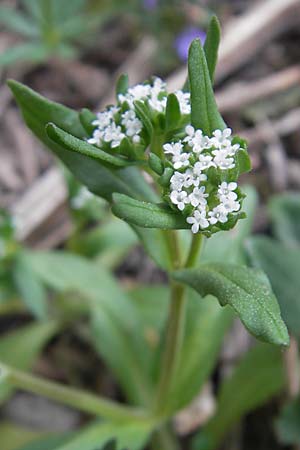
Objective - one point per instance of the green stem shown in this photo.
(176, 321)
(75, 398)
(194, 250)
(174, 337)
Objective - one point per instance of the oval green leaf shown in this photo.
(247, 291)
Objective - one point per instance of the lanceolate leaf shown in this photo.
(204, 114)
(76, 145)
(147, 215)
(38, 112)
(285, 214)
(247, 291)
(211, 46)
(257, 378)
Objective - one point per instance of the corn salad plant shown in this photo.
(168, 166)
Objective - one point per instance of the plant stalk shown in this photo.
(75, 398)
(176, 321)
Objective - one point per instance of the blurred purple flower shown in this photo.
(184, 39)
(150, 4)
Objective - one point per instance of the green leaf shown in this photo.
(206, 324)
(108, 243)
(257, 378)
(155, 244)
(285, 214)
(30, 288)
(243, 161)
(113, 317)
(143, 114)
(38, 112)
(20, 348)
(229, 245)
(48, 443)
(122, 84)
(247, 291)
(86, 118)
(13, 436)
(204, 114)
(146, 215)
(211, 45)
(288, 423)
(133, 436)
(16, 21)
(76, 145)
(31, 51)
(156, 164)
(281, 264)
(173, 114)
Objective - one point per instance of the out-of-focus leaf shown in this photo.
(204, 114)
(281, 264)
(122, 84)
(47, 443)
(20, 348)
(113, 316)
(247, 291)
(206, 324)
(132, 436)
(13, 436)
(145, 214)
(31, 289)
(257, 378)
(228, 245)
(15, 21)
(31, 51)
(155, 244)
(288, 423)
(285, 214)
(108, 243)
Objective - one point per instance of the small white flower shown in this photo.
(231, 205)
(226, 191)
(222, 161)
(221, 139)
(198, 196)
(179, 198)
(193, 179)
(173, 148)
(184, 101)
(198, 220)
(177, 181)
(96, 138)
(157, 105)
(218, 214)
(114, 135)
(182, 160)
(203, 163)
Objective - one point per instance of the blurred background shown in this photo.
(72, 52)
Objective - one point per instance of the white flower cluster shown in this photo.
(191, 189)
(114, 123)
